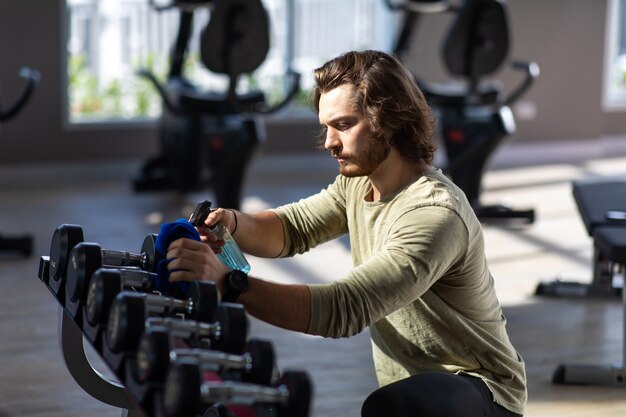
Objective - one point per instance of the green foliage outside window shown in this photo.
(134, 97)
(130, 97)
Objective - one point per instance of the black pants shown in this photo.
(434, 394)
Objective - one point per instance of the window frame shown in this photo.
(613, 96)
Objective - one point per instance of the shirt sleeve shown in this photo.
(423, 245)
(313, 220)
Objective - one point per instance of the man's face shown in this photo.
(348, 136)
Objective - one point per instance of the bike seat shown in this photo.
(216, 103)
(478, 41)
(189, 99)
(456, 95)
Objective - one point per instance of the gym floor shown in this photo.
(36, 199)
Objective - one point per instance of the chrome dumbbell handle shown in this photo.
(213, 360)
(168, 305)
(124, 258)
(137, 278)
(186, 328)
(241, 393)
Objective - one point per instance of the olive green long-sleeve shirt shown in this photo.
(420, 282)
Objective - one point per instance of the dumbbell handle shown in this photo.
(241, 393)
(124, 258)
(137, 278)
(212, 359)
(186, 328)
(157, 304)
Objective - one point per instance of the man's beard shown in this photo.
(366, 163)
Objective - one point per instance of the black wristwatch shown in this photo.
(236, 282)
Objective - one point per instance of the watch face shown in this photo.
(238, 280)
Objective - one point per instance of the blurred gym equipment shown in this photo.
(475, 116)
(207, 137)
(19, 244)
(601, 204)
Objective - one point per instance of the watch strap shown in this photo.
(236, 282)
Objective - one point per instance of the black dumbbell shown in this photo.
(228, 327)
(155, 351)
(85, 258)
(227, 333)
(186, 393)
(106, 283)
(65, 237)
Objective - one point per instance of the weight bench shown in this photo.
(602, 206)
(610, 241)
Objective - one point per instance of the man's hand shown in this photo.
(191, 260)
(215, 217)
(286, 306)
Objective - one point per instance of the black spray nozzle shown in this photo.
(200, 213)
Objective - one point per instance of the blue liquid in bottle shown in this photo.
(231, 255)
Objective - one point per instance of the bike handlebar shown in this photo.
(294, 86)
(32, 78)
(436, 6)
(264, 108)
(185, 5)
(532, 72)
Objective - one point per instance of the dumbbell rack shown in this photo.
(93, 382)
(288, 396)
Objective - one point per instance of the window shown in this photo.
(108, 41)
(615, 56)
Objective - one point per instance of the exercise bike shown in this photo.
(19, 244)
(208, 138)
(474, 118)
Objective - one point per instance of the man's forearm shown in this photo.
(260, 234)
(283, 305)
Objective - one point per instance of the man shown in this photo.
(420, 280)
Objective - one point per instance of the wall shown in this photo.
(565, 37)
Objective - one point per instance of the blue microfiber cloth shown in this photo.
(170, 232)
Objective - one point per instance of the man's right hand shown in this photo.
(191, 260)
(215, 217)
